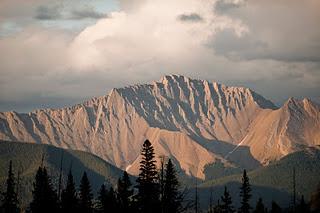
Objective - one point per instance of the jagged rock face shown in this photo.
(194, 122)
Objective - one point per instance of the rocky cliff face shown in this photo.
(195, 122)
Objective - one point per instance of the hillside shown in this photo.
(195, 122)
(26, 159)
(274, 182)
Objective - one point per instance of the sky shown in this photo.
(59, 53)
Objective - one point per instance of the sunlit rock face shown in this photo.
(194, 122)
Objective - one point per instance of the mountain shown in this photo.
(26, 159)
(275, 181)
(194, 122)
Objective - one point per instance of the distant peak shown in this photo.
(181, 78)
(174, 77)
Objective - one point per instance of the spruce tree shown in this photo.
(148, 192)
(302, 207)
(211, 208)
(44, 196)
(217, 208)
(226, 206)
(172, 198)
(102, 199)
(315, 200)
(124, 192)
(85, 195)
(111, 203)
(260, 207)
(161, 182)
(275, 208)
(10, 200)
(245, 194)
(69, 199)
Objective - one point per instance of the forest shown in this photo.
(156, 190)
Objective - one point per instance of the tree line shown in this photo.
(155, 191)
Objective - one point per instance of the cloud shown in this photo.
(192, 17)
(141, 44)
(131, 5)
(55, 12)
(276, 31)
(48, 13)
(86, 12)
(225, 5)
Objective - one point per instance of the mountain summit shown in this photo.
(194, 122)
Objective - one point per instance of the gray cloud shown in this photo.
(223, 6)
(55, 12)
(276, 31)
(48, 12)
(249, 47)
(191, 17)
(86, 12)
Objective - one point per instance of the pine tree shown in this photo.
(217, 208)
(148, 192)
(196, 199)
(275, 208)
(302, 207)
(69, 200)
(211, 209)
(245, 194)
(226, 206)
(260, 207)
(85, 195)
(44, 197)
(111, 202)
(103, 199)
(161, 182)
(172, 198)
(124, 192)
(315, 200)
(10, 200)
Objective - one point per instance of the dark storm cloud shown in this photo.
(191, 17)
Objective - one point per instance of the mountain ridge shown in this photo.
(185, 119)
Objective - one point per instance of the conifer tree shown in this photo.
(303, 207)
(211, 208)
(69, 199)
(217, 208)
(245, 194)
(275, 208)
(85, 195)
(172, 198)
(10, 200)
(112, 204)
(124, 192)
(148, 192)
(102, 199)
(196, 200)
(315, 200)
(161, 182)
(260, 207)
(44, 196)
(226, 206)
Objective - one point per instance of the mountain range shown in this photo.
(194, 122)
